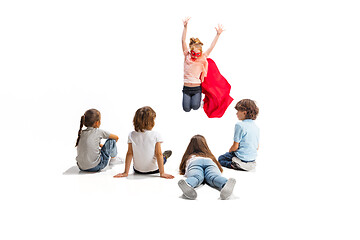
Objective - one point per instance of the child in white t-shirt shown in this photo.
(144, 146)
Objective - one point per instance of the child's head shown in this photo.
(195, 48)
(246, 109)
(144, 119)
(91, 118)
(199, 147)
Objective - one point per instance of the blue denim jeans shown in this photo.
(226, 159)
(191, 98)
(108, 150)
(205, 169)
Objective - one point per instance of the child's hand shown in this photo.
(219, 29)
(186, 20)
(121, 175)
(167, 176)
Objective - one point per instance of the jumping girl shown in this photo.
(195, 68)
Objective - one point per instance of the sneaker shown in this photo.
(116, 160)
(227, 190)
(167, 154)
(188, 191)
(235, 166)
(245, 166)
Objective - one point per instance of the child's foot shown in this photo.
(240, 165)
(167, 154)
(236, 166)
(116, 160)
(227, 190)
(188, 191)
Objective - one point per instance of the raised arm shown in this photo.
(183, 39)
(219, 30)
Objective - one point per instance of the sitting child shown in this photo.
(144, 146)
(199, 164)
(243, 152)
(90, 157)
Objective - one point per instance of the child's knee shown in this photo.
(196, 106)
(187, 108)
(222, 162)
(222, 158)
(111, 141)
(199, 177)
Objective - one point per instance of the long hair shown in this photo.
(198, 147)
(144, 119)
(88, 119)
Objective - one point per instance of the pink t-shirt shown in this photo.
(194, 69)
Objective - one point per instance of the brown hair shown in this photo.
(195, 43)
(198, 147)
(249, 106)
(144, 119)
(88, 119)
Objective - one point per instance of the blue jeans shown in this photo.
(226, 159)
(205, 169)
(108, 150)
(191, 98)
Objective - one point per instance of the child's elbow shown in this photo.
(158, 155)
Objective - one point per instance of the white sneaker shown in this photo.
(227, 190)
(188, 191)
(116, 160)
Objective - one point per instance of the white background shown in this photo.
(298, 59)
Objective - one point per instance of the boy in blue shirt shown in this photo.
(243, 152)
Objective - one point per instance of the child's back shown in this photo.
(143, 145)
(242, 154)
(88, 147)
(89, 155)
(247, 134)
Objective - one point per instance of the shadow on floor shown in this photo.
(74, 170)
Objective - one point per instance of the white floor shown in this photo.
(298, 59)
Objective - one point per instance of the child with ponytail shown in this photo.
(92, 156)
(199, 164)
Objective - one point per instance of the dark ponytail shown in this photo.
(88, 120)
(82, 120)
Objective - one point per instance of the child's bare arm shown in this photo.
(219, 30)
(128, 159)
(183, 39)
(160, 162)
(234, 147)
(113, 136)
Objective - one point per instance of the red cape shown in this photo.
(216, 89)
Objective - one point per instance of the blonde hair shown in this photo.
(195, 43)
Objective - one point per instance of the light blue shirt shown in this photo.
(247, 135)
